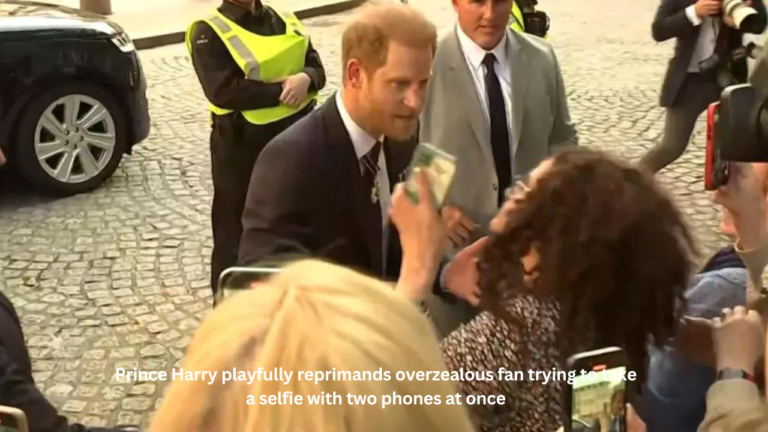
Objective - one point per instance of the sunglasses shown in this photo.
(519, 185)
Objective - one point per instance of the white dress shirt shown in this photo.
(363, 143)
(474, 55)
(705, 45)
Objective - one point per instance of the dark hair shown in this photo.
(613, 251)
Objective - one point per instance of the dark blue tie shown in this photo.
(499, 131)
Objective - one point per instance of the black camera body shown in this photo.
(737, 126)
(742, 125)
(535, 22)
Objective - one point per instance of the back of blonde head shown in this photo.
(311, 317)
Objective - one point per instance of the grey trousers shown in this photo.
(696, 93)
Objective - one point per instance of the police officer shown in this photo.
(260, 74)
(516, 18)
(524, 12)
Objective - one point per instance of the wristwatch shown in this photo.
(729, 374)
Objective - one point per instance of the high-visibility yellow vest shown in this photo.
(516, 19)
(262, 58)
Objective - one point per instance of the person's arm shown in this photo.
(755, 257)
(563, 131)
(313, 67)
(223, 81)
(734, 405)
(278, 204)
(18, 390)
(672, 22)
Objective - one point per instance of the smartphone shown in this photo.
(716, 170)
(237, 279)
(440, 168)
(596, 401)
(13, 420)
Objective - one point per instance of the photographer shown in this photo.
(707, 59)
(733, 402)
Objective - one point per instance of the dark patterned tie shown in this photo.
(371, 170)
(499, 130)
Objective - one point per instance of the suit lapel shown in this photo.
(349, 183)
(519, 84)
(466, 95)
(398, 155)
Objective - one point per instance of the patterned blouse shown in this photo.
(488, 343)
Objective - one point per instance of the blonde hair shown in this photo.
(312, 317)
(368, 36)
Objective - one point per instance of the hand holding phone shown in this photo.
(440, 168)
(596, 401)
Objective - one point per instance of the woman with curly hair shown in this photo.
(591, 253)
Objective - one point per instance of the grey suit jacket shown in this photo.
(453, 119)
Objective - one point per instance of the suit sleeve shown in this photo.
(18, 390)
(222, 79)
(278, 205)
(671, 21)
(563, 130)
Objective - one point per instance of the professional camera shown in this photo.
(535, 22)
(744, 17)
(737, 126)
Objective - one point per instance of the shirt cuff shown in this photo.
(690, 12)
(313, 79)
(441, 278)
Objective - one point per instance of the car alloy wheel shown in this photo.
(75, 138)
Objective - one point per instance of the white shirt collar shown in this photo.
(475, 54)
(361, 140)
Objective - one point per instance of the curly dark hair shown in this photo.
(613, 250)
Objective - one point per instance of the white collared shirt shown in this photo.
(363, 144)
(705, 45)
(474, 55)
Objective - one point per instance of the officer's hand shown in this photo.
(2, 157)
(295, 89)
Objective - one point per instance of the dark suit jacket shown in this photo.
(307, 190)
(671, 22)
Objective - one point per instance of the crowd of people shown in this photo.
(543, 249)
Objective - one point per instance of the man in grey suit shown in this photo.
(499, 122)
(496, 101)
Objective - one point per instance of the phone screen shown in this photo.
(598, 405)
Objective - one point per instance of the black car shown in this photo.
(72, 95)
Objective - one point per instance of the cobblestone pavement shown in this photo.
(118, 277)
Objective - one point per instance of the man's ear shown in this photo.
(354, 73)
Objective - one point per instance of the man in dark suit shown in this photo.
(694, 78)
(325, 182)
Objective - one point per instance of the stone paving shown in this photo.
(118, 277)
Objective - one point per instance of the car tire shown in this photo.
(52, 149)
